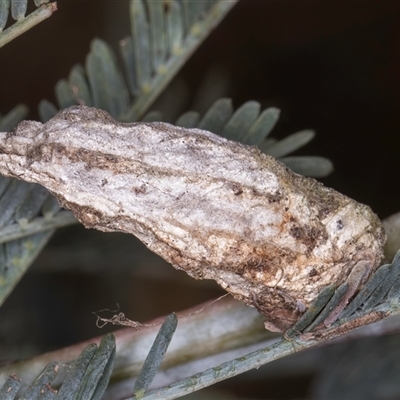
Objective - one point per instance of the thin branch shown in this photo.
(40, 224)
(222, 326)
(20, 27)
(261, 357)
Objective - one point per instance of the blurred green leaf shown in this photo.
(47, 110)
(262, 127)
(316, 167)
(64, 95)
(108, 88)
(217, 116)
(189, 120)
(79, 86)
(241, 121)
(10, 120)
(290, 143)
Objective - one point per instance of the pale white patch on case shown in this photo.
(214, 208)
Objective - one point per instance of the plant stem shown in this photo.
(20, 27)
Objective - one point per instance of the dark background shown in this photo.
(330, 66)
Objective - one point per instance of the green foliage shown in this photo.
(162, 39)
(87, 378)
(10, 120)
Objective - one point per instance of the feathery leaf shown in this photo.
(87, 378)
(163, 36)
(249, 126)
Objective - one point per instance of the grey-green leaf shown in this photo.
(40, 385)
(105, 377)
(74, 378)
(241, 121)
(50, 207)
(152, 116)
(290, 143)
(157, 33)
(10, 200)
(128, 56)
(141, 42)
(95, 369)
(47, 110)
(174, 27)
(262, 127)
(79, 86)
(313, 166)
(16, 115)
(376, 279)
(16, 256)
(19, 230)
(155, 356)
(151, 82)
(64, 95)
(192, 10)
(109, 90)
(18, 9)
(4, 11)
(31, 205)
(38, 3)
(382, 290)
(189, 120)
(10, 388)
(217, 116)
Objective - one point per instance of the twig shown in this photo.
(20, 27)
(12, 232)
(258, 358)
(222, 326)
